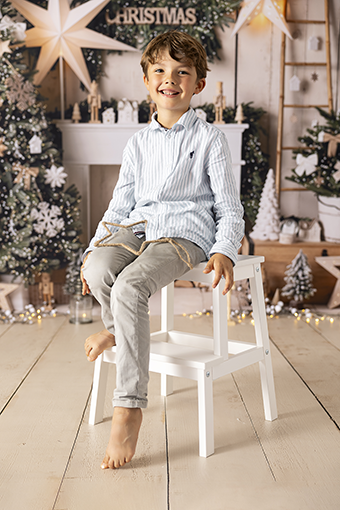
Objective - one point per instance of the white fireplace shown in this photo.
(95, 145)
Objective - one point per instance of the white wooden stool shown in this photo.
(202, 358)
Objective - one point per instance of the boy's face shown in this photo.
(171, 85)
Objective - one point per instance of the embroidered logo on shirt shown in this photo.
(192, 154)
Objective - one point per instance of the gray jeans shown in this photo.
(122, 283)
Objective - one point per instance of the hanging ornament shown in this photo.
(4, 47)
(24, 174)
(3, 147)
(306, 164)
(314, 76)
(318, 181)
(35, 145)
(293, 118)
(17, 154)
(20, 91)
(55, 176)
(313, 43)
(47, 219)
(333, 142)
(294, 83)
(336, 176)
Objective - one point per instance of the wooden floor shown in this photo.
(50, 457)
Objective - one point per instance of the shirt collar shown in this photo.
(187, 120)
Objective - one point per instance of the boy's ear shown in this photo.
(146, 81)
(200, 86)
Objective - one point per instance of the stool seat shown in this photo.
(199, 357)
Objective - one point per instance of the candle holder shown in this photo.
(80, 307)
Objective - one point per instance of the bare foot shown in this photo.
(125, 427)
(97, 343)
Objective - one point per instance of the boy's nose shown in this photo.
(170, 79)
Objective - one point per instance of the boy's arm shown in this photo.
(228, 210)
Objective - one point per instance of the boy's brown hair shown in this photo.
(181, 47)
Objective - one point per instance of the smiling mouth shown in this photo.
(169, 93)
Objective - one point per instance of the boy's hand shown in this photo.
(223, 267)
(86, 289)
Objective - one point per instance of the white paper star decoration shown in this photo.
(61, 32)
(270, 8)
(331, 264)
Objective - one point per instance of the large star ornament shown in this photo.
(61, 32)
(270, 8)
(332, 264)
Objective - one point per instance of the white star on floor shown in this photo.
(61, 31)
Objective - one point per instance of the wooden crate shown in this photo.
(278, 256)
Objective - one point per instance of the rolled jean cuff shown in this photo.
(130, 403)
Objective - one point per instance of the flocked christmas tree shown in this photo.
(299, 279)
(267, 225)
(39, 218)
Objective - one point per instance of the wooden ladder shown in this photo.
(282, 105)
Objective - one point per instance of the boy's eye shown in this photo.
(159, 70)
(183, 72)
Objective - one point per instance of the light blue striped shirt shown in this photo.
(181, 181)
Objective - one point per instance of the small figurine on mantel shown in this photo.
(239, 117)
(76, 116)
(220, 104)
(109, 116)
(94, 101)
(152, 106)
(46, 290)
(127, 112)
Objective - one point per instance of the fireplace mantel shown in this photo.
(103, 144)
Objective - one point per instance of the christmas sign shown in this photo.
(154, 15)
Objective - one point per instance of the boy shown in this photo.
(174, 206)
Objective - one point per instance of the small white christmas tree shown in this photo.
(267, 224)
(298, 279)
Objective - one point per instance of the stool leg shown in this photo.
(98, 390)
(262, 340)
(166, 385)
(205, 413)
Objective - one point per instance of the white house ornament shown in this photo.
(270, 9)
(127, 112)
(306, 164)
(332, 264)
(61, 32)
(109, 116)
(294, 83)
(35, 145)
(313, 43)
(55, 176)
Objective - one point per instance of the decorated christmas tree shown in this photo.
(267, 225)
(318, 164)
(298, 279)
(39, 218)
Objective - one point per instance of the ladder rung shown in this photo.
(294, 189)
(305, 63)
(311, 21)
(295, 148)
(305, 105)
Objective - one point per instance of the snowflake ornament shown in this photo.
(20, 91)
(47, 219)
(55, 176)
